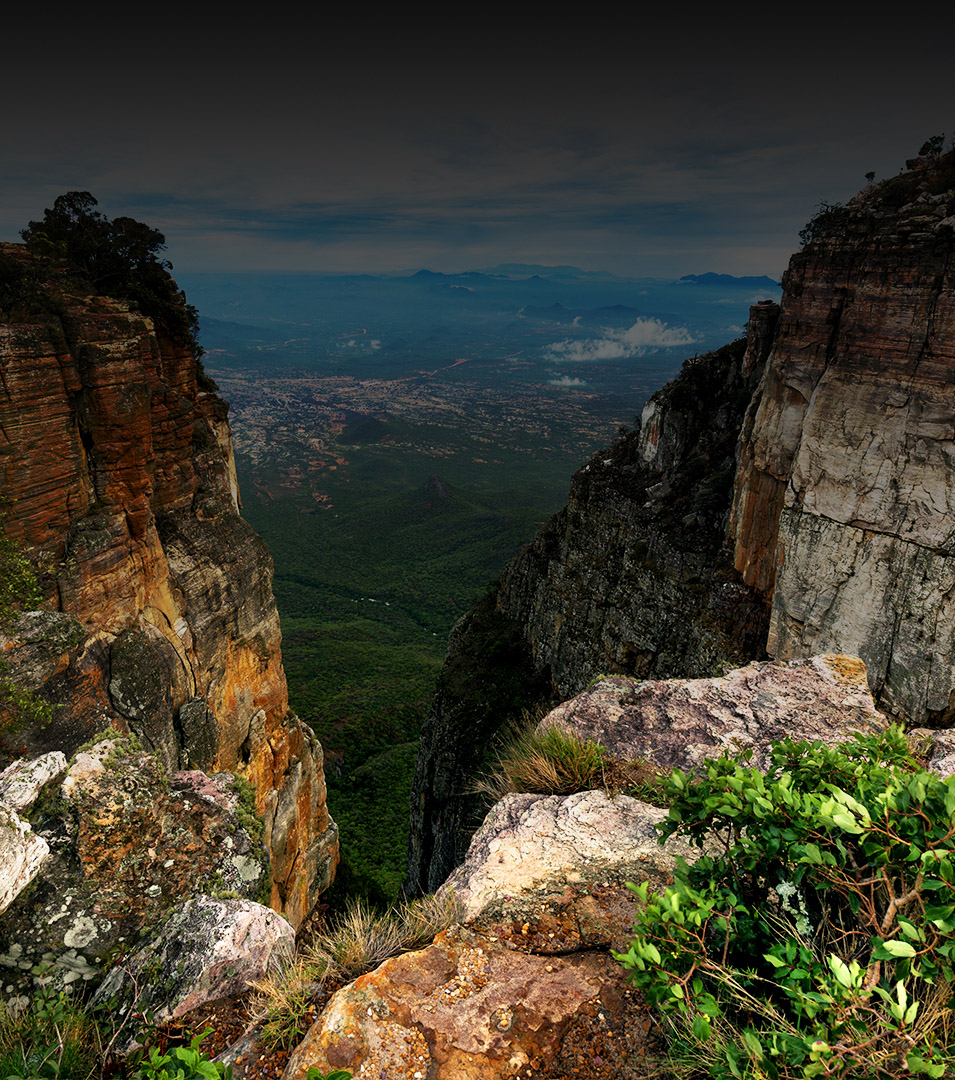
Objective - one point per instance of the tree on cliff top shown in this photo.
(119, 258)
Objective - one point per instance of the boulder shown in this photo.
(21, 780)
(204, 949)
(22, 853)
(473, 1007)
(537, 852)
(677, 723)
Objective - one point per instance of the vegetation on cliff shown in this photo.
(821, 941)
(118, 257)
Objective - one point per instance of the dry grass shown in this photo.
(554, 761)
(355, 942)
(557, 761)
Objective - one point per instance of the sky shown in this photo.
(651, 145)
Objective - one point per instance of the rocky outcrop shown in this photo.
(126, 842)
(526, 986)
(631, 577)
(844, 497)
(678, 723)
(790, 499)
(533, 848)
(120, 487)
(203, 950)
(469, 1007)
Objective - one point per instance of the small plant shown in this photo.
(314, 1073)
(287, 1002)
(183, 1063)
(640, 780)
(821, 941)
(51, 1038)
(357, 941)
(555, 761)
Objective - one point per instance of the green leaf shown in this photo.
(898, 948)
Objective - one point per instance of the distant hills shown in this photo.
(728, 281)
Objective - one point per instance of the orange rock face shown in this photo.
(119, 484)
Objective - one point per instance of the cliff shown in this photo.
(785, 498)
(631, 577)
(843, 504)
(118, 483)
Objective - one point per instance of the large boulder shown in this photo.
(537, 852)
(472, 1006)
(203, 950)
(677, 723)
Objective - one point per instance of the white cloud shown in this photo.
(566, 380)
(622, 344)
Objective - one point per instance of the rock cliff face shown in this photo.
(791, 498)
(631, 577)
(118, 482)
(844, 500)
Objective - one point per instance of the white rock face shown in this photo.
(21, 855)
(532, 844)
(21, 780)
(886, 599)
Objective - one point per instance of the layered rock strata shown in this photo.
(119, 484)
(843, 507)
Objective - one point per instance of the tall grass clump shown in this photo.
(49, 1037)
(552, 761)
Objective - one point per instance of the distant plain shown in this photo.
(397, 440)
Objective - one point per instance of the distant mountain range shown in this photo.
(728, 281)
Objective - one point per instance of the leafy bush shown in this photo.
(819, 941)
(118, 257)
(182, 1063)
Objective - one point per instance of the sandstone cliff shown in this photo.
(790, 499)
(118, 482)
(844, 500)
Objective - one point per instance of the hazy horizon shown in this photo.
(320, 146)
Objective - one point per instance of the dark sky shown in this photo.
(652, 145)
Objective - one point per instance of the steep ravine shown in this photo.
(631, 577)
(118, 483)
(790, 501)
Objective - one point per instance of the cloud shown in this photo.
(645, 334)
(566, 380)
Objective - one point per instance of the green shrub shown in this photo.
(819, 941)
(183, 1063)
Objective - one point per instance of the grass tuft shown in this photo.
(552, 761)
(355, 942)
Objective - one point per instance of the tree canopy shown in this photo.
(119, 257)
